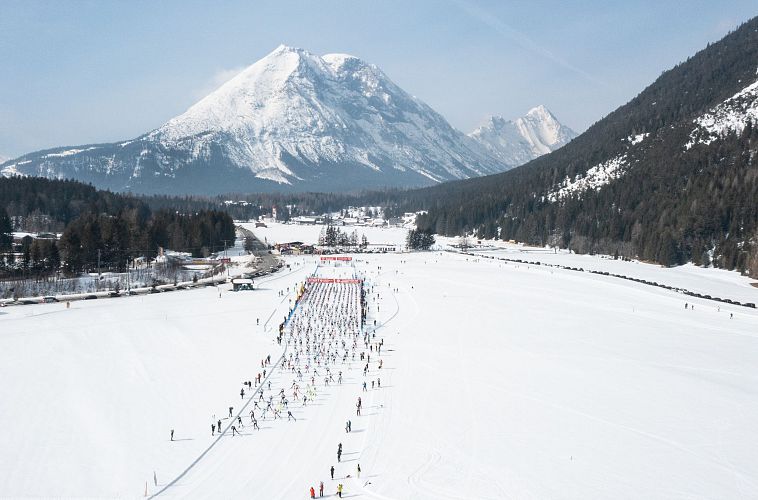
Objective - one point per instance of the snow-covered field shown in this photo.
(499, 381)
(283, 233)
(711, 281)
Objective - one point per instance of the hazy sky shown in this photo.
(77, 72)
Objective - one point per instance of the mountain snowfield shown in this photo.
(555, 385)
(298, 121)
(292, 109)
(515, 142)
(731, 116)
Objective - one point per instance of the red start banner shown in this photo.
(335, 280)
(336, 258)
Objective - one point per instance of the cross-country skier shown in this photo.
(359, 471)
(230, 411)
(321, 489)
(172, 434)
(213, 429)
(339, 490)
(313, 492)
(332, 471)
(234, 430)
(242, 393)
(290, 416)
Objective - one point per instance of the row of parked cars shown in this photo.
(110, 294)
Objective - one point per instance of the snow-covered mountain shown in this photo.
(515, 142)
(293, 120)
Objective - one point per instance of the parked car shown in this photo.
(113, 294)
(90, 297)
(49, 300)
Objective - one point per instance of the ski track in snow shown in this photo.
(499, 380)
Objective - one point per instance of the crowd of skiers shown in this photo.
(324, 337)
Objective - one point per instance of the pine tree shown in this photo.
(6, 231)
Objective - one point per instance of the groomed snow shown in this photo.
(711, 281)
(499, 381)
(283, 233)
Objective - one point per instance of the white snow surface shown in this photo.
(293, 104)
(499, 381)
(11, 170)
(284, 233)
(518, 141)
(638, 138)
(710, 281)
(594, 178)
(731, 116)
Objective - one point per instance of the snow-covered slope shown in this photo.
(730, 116)
(292, 120)
(515, 142)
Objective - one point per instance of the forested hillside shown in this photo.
(670, 177)
(119, 227)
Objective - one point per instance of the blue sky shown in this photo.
(81, 72)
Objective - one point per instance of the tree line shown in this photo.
(332, 236)
(99, 228)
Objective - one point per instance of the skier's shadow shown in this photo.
(185, 439)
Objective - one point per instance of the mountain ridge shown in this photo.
(290, 121)
(523, 139)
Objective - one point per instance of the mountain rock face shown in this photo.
(671, 176)
(515, 142)
(291, 121)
